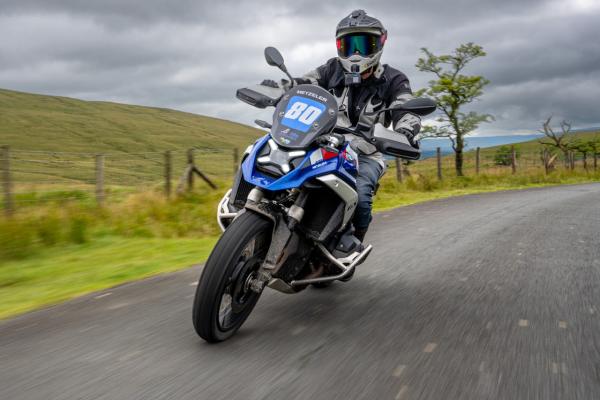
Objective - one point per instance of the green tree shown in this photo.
(453, 90)
(503, 155)
(585, 147)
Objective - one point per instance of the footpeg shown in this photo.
(347, 265)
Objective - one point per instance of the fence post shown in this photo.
(99, 179)
(513, 159)
(438, 152)
(190, 175)
(477, 160)
(399, 176)
(545, 159)
(168, 171)
(571, 160)
(235, 161)
(6, 181)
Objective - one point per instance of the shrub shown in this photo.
(16, 239)
(503, 155)
(78, 232)
(49, 229)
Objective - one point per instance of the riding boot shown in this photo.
(360, 233)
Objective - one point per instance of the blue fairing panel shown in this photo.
(342, 165)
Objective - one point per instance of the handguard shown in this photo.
(260, 96)
(394, 144)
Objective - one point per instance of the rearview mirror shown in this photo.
(274, 58)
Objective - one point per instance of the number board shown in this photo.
(301, 113)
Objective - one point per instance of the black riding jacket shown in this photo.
(386, 87)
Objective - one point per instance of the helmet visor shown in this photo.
(364, 44)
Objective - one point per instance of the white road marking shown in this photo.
(554, 368)
(402, 392)
(194, 284)
(430, 347)
(89, 328)
(117, 306)
(103, 295)
(398, 371)
(523, 323)
(562, 324)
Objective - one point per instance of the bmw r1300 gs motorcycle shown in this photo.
(286, 220)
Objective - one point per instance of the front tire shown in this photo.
(223, 299)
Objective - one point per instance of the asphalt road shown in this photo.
(493, 296)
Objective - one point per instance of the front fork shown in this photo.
(283, 232)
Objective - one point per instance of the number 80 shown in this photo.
(303, 113)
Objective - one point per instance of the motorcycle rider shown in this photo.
(362, 85)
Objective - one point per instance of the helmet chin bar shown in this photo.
(363, 63)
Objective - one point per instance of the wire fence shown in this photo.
(507, 160)
(31, 177)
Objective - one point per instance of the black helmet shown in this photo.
(360, 39)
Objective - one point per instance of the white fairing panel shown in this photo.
(346, 193)
(224, 215)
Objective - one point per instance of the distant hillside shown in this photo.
(529, 150)
(52, 123)
(429, 146)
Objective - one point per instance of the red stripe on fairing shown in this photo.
(328, 155)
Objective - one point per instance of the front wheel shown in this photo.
(223, 298)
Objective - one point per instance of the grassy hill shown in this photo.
(52, 123)
(133, 137)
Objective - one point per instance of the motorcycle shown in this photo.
(287, 218)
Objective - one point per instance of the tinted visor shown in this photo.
(365, 44)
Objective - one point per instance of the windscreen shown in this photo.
(304, 112)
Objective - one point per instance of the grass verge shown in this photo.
(57, 274)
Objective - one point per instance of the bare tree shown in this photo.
(557, 140)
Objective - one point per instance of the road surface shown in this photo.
(492, 296)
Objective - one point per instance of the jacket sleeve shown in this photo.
(314, 77)
(401, 92)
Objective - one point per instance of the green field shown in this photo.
(59, 244)
(52, 123)
(54, 140)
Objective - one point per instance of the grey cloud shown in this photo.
(542, 55)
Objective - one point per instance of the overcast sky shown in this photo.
(543, 56)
